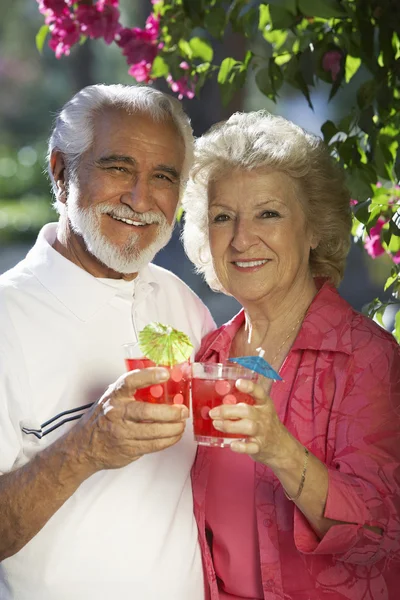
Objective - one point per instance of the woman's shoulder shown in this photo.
(367, 335)
(216, 344)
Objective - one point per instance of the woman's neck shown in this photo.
(273, 323)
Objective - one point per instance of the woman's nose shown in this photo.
(244, 236)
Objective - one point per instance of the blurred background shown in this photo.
(33, 87)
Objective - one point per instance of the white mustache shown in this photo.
(124, 212)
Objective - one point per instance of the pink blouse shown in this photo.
(341, 398)
(231, 516)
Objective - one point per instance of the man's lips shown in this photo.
(128, 221)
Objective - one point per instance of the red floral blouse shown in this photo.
(341, 398)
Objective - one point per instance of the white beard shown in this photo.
(126, 259)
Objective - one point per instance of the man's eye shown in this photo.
(163, 177)
(118, 169)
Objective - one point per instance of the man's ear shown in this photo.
(58, 170)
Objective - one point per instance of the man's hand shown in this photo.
(118, 430)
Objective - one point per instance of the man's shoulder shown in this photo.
(169, 282)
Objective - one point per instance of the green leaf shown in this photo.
(201, 49)
(326, 9)
(366, 93)
(159, 68)
(215, 21)
(361, 190)
(295, 78)
(329, 130)
(264, 83)
(289, 5)
(226, 69)
(281, 18)
(265, 17)
(41, 37)
(185, 49)
(391, 280)
(351, 67)
(396, 331)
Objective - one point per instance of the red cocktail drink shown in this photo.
(213, 385)
(173, 391)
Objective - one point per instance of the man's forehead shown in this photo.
(114, 128)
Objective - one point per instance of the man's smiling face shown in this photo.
(123, 200)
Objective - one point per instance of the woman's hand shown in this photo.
(269, 442)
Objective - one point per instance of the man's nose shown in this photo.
(244, 236)
(139, 197)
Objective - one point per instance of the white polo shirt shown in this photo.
(125, 533)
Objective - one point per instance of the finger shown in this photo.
(156, 431)
(247, 427)
(254, 389)
(160, 413)
(249, 447)
(149, 446)
(233, 411)
(143, 378)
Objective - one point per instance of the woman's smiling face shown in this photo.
(259, 238)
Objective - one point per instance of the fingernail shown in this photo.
(184, 412)
(162, 374)
(214, 413)
(244, 385)
(217, 424)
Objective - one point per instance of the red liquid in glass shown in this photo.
(209, 393)
(173, 391)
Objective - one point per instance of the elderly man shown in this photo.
(95, 499)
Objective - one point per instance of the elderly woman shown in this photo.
(309, 506)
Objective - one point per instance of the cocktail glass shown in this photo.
(213, 385)
(173, 391)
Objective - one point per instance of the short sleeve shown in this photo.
(11, 401)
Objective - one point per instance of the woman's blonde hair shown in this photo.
(257, 140)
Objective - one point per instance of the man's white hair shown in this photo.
(74, 125)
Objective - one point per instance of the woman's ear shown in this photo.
(314, 241)
(57, 166)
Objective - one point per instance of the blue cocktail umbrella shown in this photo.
(258, 364)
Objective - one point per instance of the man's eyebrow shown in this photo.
(168, 169)
(128, 160)
(115, 158)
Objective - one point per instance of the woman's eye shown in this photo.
(269, 214)
(221, 218)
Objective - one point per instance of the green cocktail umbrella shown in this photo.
(164, 345)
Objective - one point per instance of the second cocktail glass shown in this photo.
(213, 385)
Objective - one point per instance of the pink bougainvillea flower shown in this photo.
(99, 20)
(139, 46)
(353, 202)
(140, 51)
(396, 258)
(64, 34)
(182, 87)
(372, 242)
(54, 8)
(153, 26)
(331, 63)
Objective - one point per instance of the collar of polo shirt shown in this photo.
(74, 287)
